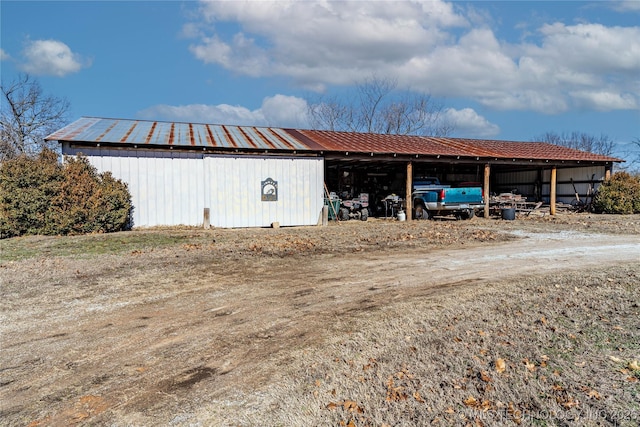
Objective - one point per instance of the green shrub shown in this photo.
(619, 195)
(27, 186)
(40, 196)
(113, 204)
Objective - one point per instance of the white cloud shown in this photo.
(605, 100)
(285, 111)
(4, 55)
(51, 57)
(468, 123)
(626, 5)
(429, 46)
(592, 47)
(312, 41)
(276, 111)
(202, 113)
(241, 54)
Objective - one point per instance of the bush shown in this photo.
(40, 196)
(619, 195)
(27, 186)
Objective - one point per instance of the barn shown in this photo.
(243, 176)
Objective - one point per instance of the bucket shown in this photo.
(508, 214)
(402, 216)
(334, 207)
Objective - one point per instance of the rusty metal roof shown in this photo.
(434, 146)
(140, 132)
(249, 138)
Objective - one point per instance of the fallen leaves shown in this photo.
(395, 393)
(483, 405)
(483, 236)
(471, 401)
(593, 394)
(514, 413)
(506, 365)
(347, 405)
(282, 245)
(631, 369)
(543, 360)
(352, 406)
(563, 397)
(191, 246)
(531, 367)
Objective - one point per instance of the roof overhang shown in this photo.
(342, 146)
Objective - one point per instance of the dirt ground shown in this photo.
(141, 334)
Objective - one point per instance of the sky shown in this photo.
(508, 70)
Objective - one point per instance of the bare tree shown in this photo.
(377, 106)
(27, 116)
(329, 114)
(632, 156)
(580, 141)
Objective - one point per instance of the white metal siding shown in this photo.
(235, 194)
(578, 174)
(174, 187)
(565, 193)
(564, 188)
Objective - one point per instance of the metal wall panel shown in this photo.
(173, 187)
(578, 174)
(505, 178)
(565, 190)
(523, 182)
(166, 187)
(235, 191)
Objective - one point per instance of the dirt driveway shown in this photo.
(140, 336)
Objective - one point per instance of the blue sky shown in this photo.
(508, 70)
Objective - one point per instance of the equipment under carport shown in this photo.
(357, 208)
(333, 202)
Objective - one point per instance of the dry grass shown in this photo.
(324, 326)
(542, 351)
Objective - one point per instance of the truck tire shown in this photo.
(467, 214)
(344, 214)
(420, 212)
(364, 214)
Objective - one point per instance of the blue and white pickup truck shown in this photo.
(430, 198)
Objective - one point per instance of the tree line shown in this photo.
(374, 105)
(41, 195)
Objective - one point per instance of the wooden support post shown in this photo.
(409, 190)
(485, 189)
(206, 220)
(552, 196)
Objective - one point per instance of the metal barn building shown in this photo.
(241, 176)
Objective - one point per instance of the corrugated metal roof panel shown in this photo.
(115, 131)
(132, 132)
